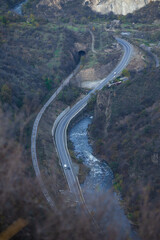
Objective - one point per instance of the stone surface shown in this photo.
(117, 6)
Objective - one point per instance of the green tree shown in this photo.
(48, 83)
(92, 102)
(126, 73)
(6, 93)
(3, 19)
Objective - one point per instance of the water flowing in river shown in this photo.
(18, 8)
(100, 175)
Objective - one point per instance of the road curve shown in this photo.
(34, 138)
(60, 132)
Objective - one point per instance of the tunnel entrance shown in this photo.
(81, 53)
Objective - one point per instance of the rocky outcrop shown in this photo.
(117, 6)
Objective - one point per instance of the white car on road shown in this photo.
(66, 167)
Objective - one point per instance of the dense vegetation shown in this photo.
(147, 14)
(69, 94)
(8, 4)
(36, 55)
(34, 52)
(126, 128)
(68, 11)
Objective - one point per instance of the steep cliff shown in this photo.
(125, 132)
(117, 6)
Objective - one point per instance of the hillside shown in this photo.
(8, 4)
(39, 49)
(120, 7)
(125, 132)
(37, 53)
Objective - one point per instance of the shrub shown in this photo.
(48, 83)
(6, 93)
(126, 73)
(69, 94)
(92, 102)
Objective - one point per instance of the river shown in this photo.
(100, 175)
(18, 8)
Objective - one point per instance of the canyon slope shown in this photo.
(117, 6)
(120, 7)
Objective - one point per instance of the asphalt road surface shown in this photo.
(34, 137)
(60, 132)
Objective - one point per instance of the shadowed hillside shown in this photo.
(126, 134)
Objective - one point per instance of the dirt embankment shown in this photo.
(49, 164)
(100, 62)
(138, 61)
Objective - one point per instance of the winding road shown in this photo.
(61, 129)
(34, 138)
